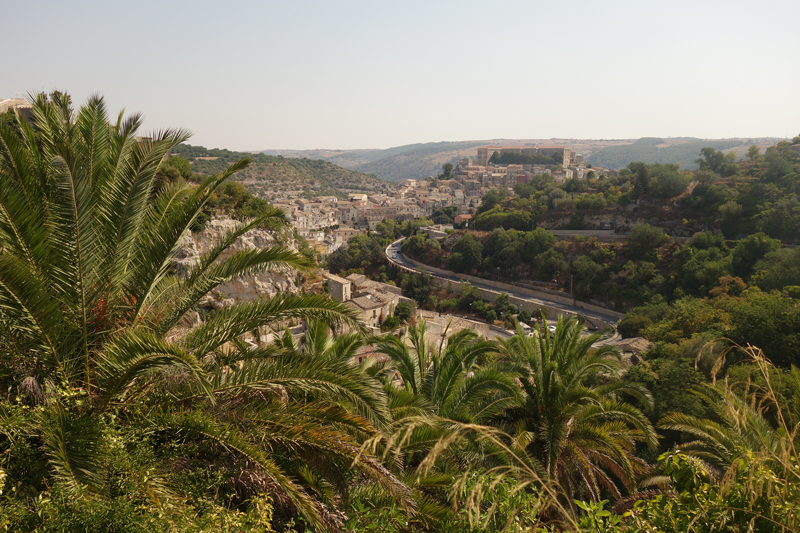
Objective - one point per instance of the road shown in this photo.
(396, 257)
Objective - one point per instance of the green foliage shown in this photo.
(362, 252)
(716, 161)
(778, 269)
(633, 325)
(491, 199)
(501, 218)
(87, 296)
(404, 311)
(587, 275)
(391, 323)
(471, 250)
(644, 239)
(666, 181)
(748, 499)
(390, 229)
(416, 287)
(751, 250)
(569, 418)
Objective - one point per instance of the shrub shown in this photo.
(633, 325)
(645, 238)
(404, 311)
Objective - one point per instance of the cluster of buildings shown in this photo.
(19, 104)
(462, 189)
(372, 301)
(571, 165)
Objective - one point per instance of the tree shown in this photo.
(717, 161)
(404, 311)
(551, 264)
(452, 375)
(632, 325)
(587, 274)
(666, 181)
(490, 199)
(778, 269)
(87, 297)
(502, 303)
(577, 429)
(750, 250)
(456, 263)
(471, 249)
(645, 238)
(753, 152)
(706, 177)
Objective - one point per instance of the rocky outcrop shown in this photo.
(262, 285)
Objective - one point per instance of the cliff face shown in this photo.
(262, 285)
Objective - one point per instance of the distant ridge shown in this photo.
(683, 151)
(270, 176)
(418, 161)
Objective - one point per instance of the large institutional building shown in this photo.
(485, 152)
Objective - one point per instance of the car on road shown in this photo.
(394, 256)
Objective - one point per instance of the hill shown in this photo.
(271, 175)
(417, 161)
(683, 151)
(411, 161)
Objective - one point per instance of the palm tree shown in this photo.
(432, 391)
(740, 421)
(571, 421)
(456, 379)
(87, 295)
(318, 342)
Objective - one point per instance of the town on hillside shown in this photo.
(327, 222)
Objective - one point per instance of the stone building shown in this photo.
(485, 152)
(373, 301)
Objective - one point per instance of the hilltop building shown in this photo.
(567, 156)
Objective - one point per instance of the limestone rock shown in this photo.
(261, 285)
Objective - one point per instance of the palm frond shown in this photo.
(241, 318)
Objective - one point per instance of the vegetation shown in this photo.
(103, 403)
(267, 176)
(118, 415)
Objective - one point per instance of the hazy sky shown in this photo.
(375, 74)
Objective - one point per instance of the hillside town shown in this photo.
(327, 222)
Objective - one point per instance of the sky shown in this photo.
(322, 74)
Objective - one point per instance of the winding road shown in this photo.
(395, 256)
